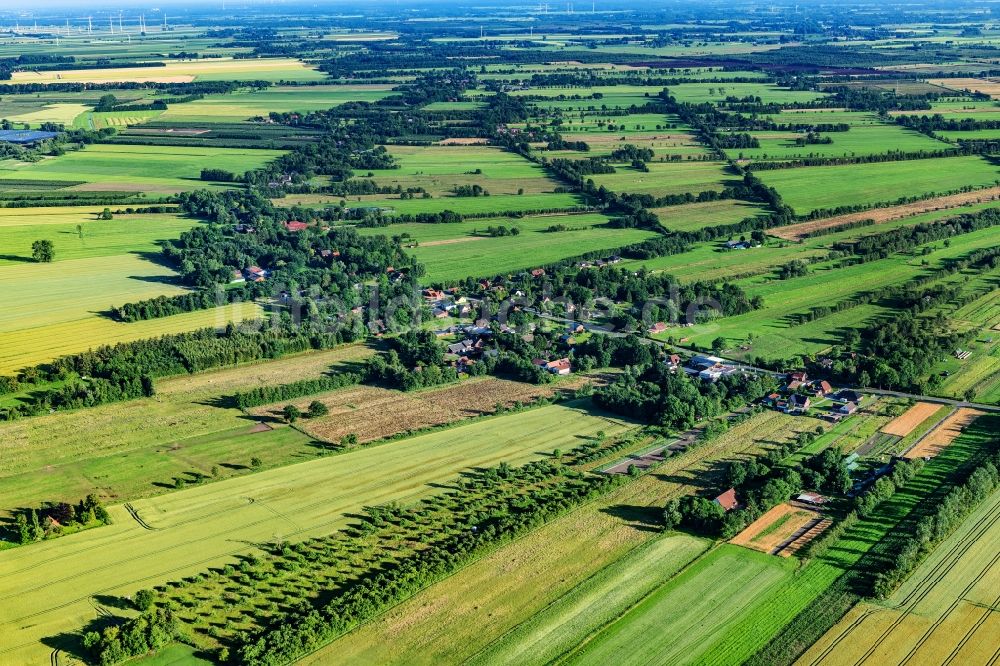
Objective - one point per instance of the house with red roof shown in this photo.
(727, 500)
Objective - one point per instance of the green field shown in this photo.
(775, 337)
(451, 254)
(208, 525)
(870, 139)
(126, 234)
(806, 189)
(55, 308)
(665, 178)
(245, 105)
(132, 446)
(696, 93)
(734, 600)
(490, 607)
(154, 169)
(676, 622)
(438, 169)
(559, 627)
(691, 217)
(495, 203)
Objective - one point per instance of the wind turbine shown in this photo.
(90, 25)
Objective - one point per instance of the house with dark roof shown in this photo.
(797, 403)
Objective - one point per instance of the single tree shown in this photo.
(317, 408)
(143, 600)
(291, 413)
(42, 251)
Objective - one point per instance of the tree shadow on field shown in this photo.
(642, 518)
(15, 257)
(72, 643)
(157, 279)
(111, 601)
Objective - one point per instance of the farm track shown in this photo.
(920, 592)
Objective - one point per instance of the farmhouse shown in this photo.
(846, 408)
(561, 366)
(727, 500)
(797, 404)
(256, 274)
(658, 327)
(846, 395)
(737, 245)
(821, 388)
(295, 225)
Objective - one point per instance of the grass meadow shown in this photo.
(156, 169)
(126, 234)
(56, 308)
(806, 189)
(185, 429)
(206, 525)
(697, 93)
(456, 254)
(861, 139)
(691, 217)
(665, 178)
(439, 169)
(776, 337)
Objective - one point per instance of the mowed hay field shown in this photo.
(945, 612)
(439, 169)
(691, 217)
(531, 601)
(372, 412)
(126, 449)
(158, 169)
(210, 524)
(214, 69)
(806, 189)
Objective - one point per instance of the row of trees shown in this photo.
(907, 550)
